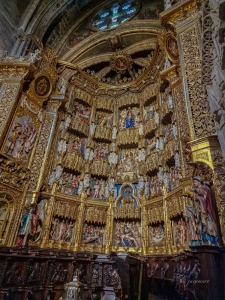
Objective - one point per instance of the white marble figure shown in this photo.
(92, 128)
(87, 153)
(60, 146)
(64, 148)
(33, 56)
(86, 180)
(107, 190)
(161, 143)
(170, 101)
(160, 174)
(141, 155)
(113, 158)
(146, 188)
(52, 178)
(174, 128)
(111, 184)
(63, 87)
(114, 133)
(157, 144)
(92, 154)
(67, 121)
(141, 129)
(177, 159)
(167, 61)
(80, 188)
(166, 180)
(141, 183)
(156, 118)
(41, 209)
(62, 125)
(167, 4)
(58, 171)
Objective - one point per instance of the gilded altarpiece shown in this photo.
(95, 170)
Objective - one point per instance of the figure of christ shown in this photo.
(127, 238)
(96, 188)
(102, 188)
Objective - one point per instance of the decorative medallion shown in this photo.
(42, 86)
(172, 48)
(120, 62)
(168, 42)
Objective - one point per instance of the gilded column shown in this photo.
(48, 218)
(42, 151)
(144, 229)
(109, 226)
(79, 222)
(185, 17)
(12, 73)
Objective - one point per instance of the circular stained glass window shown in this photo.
(115, 14)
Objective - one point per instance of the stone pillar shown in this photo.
(40, 160)
(12, 73)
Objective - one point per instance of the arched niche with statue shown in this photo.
(127, 218)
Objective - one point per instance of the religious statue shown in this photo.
(92, 154)
(58, 171)
(52, 178)
(87, 153)
(156, 118)
(113, 158)
(170, 101)
(34, 56)
(67, 122)
(129, 121)
(92, 128)
(86, 180)
(141, 129)
(177, 159)
(205, 211)
(114, 133)
(62, 90)
(167, 61)
(28, 227)
(146, 192)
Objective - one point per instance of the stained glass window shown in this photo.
(114, 15)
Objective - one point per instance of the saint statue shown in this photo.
(204, 211)
(129, 122)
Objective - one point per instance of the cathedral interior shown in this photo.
(112, 148)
